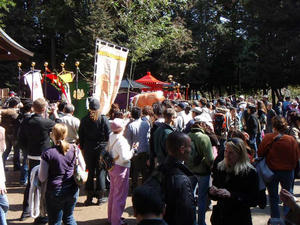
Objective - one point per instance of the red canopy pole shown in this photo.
(187, 92)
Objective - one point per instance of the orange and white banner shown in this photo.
(110, 62)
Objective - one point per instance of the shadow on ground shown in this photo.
(129, 210)
(103, 222)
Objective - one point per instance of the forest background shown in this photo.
(217, 46)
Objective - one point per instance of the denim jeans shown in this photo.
(285, 178)
(203, 184)
(253, 144)
(31, 164)
(24, 169)
(3, 209)
(60, 206)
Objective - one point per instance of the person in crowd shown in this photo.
(57, 167)
(206, 112)
(195, 112)
(158, 121)
(147, 114)
(200, 163)
(245, 137)
(167, 104)
(119, 115)
(293, 217)
(161, 134)
(195, 103)
(13, 99)
(262, 119)
(203, 105)
(119, 174)
(241, 113)
(3, 198)
(294, 129)
(178, 190)
(72, 123)
(60, 110)
(25, 114)
(293, 106)
(138, 133)
(34, 138)
(221, 121)
(252, 127)
(234, 119)
(93, 134)
(281, 153)
(241, 102)
(188, 112)
(265, 100)
(113, 110)
(11, 124)
(182, 118)
(285, 105)
(234, 186)
(148, 206)
(251, 100)
(270, 114)
(278, 108)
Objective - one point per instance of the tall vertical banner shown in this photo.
(110, 62)
(33, 80)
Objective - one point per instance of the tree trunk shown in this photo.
(273, 97)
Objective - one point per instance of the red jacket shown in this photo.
(284, 153)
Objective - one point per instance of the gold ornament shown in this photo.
(80, 94)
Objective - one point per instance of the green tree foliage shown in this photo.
(217, 46)
(5, 6)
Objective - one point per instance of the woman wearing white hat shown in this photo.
(119, 174)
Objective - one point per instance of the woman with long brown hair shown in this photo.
(93, 134)
(57, 165)
(281, 153)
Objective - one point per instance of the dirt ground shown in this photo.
(93, 215)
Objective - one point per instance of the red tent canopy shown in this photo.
(152, 82)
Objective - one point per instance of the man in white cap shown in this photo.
(242, 103)
(195, 112)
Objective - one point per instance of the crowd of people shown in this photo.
(175, 157)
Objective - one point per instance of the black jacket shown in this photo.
(178, 191)
(244, 194)
(252, 125)
(93, 135)
(34, 134)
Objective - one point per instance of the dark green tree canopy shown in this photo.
(221, 45)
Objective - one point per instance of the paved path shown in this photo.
(93, 215)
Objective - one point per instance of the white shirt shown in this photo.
(73, 125)
(2, 148)
(118, 146)
(183, 118)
